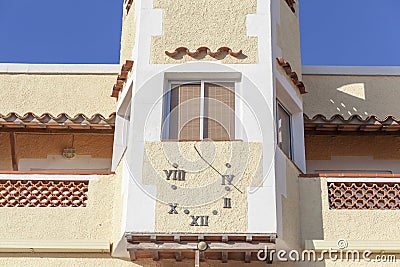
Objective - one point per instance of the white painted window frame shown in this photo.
(285, 94)
(291, 147)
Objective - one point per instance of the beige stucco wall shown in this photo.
(211, 263)
(348, 95)
(321, 223)
(209, 23)
(61, 260)
(98, 260)
(323, 147)
(288, 34)
(29, 145)
(128, 32)
(93, 222)
(5, 152)
(57, 93)
(291, 208)
(118, 202)
(202, 193)
(100, 220)
(318, 222)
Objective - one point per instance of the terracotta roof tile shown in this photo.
(122, 78)
(291, 74)
(220, 52)
(62, 121)
(354, 123)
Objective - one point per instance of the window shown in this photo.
(200, 110)
(284, 130)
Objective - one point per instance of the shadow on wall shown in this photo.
(311, 216)
(300, 201)
(350, 95)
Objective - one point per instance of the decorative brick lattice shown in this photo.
(367, 196)
(43, 193)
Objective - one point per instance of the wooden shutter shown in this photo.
(219, 111)
(185, 112)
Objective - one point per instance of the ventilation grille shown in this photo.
(366, 196)
(40, 193)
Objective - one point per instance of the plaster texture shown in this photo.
(349, 95)
(291, 232)
(318, 222)
(57, 93)
(5, 152)
(323, 147)
(118, 202)
(93, 222)
(30, 145)
(213, 24)
(288, 35)
(61, 260)
(128, 33)
(202, 191)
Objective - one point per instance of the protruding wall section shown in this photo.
(213, 24)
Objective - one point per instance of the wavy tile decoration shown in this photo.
(366, 196)
(354, 123)
(292, 75)
(62, 121)
(291, 4)
(122, 77)
(219, 54)
(43, 193)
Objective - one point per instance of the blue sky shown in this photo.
(335, 32)
(350, 32)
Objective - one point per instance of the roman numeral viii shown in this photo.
(175, 175)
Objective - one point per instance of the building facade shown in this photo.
(215, 148)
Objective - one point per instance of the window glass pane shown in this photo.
(185, 112)
(284, 131)
(219, 111)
